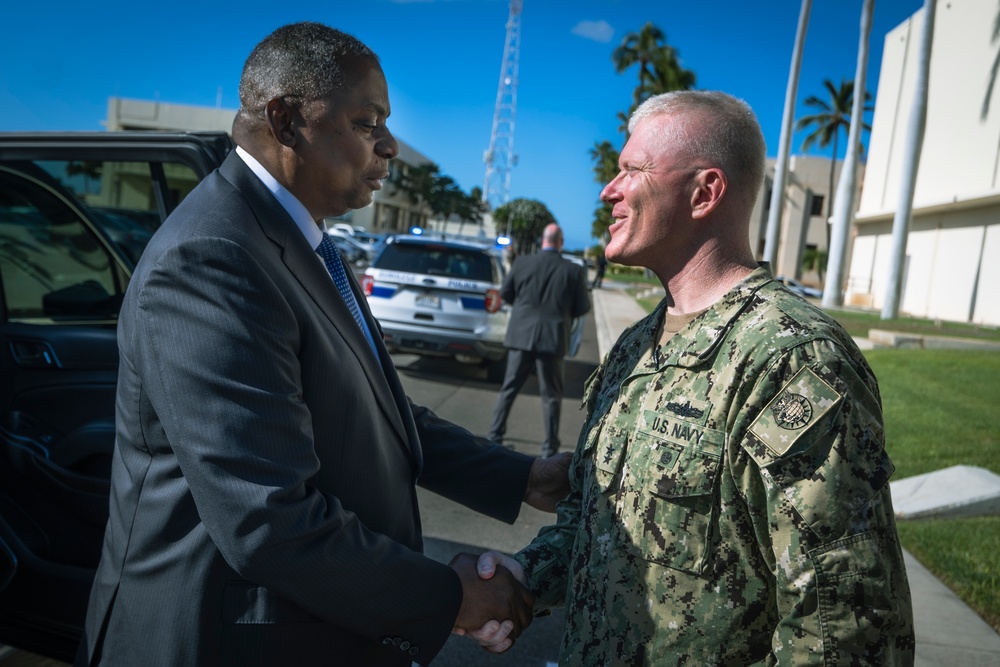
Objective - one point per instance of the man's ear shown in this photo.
(711, 185)
(281, 120)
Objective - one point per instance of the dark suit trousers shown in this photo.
(549, 370)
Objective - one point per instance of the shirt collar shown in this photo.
(695, 342)
(288, 201)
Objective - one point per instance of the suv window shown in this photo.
(53, 265)
(438, 260)
(122, 195)
(71, 229)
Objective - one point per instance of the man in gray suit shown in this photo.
(547, 293)
(263, 508)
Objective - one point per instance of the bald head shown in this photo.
(552, 237)
(297, 63)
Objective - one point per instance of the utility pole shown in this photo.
(499, 157)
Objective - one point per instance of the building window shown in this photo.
(817, 205)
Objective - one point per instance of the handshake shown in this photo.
(496, 607)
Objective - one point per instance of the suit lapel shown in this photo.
(303, 263)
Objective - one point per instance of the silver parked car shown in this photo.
(441, 298)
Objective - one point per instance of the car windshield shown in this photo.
(437, 260)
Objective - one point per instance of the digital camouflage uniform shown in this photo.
(730, 501)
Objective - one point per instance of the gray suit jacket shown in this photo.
(263, 508)
(547, 293)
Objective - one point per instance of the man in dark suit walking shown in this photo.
(547, 293)
(263, 509)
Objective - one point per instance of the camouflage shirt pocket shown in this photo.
(668, 504)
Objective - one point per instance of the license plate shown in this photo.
(428, 301)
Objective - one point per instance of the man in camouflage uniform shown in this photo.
(730, 501)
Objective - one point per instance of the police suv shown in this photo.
(440, 297)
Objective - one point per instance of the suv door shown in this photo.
(75, 214)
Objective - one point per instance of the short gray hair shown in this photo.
(729, 135)
(299, 62)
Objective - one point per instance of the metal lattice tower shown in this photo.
(499, 157)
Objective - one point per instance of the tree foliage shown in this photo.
(526, 219)
(660, 71)
(439, 195)
(814, 259)
(827, 123)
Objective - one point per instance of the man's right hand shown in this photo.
(499, 597)
(495, 636)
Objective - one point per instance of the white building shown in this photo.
(952, 267)
(803, 223)
(390, 212)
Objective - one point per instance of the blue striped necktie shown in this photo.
(331, 257)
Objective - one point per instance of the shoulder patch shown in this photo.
(799, 405)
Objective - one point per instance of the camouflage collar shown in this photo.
(697, 341)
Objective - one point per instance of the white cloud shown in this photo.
(598, 31)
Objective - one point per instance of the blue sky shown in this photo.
(59, 63)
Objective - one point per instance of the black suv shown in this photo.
(76, 211)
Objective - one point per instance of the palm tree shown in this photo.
(605, 161)
(814, 259)
(526, 219)
(605, 169)
(668, 75)
(660, 71)
(471, 208)
(417, 183)
(826, 125)
(659, 68)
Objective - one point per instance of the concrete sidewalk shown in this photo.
(948, 631)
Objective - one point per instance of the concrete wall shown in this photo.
(952, 268)
(808, 178)
(125, 114)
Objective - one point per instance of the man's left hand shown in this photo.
(548, 482)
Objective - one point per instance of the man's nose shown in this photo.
(387, 147)
(610, 191)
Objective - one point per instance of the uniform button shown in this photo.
(413, 651)
(404, 646)
(395, 641)
(386, 641)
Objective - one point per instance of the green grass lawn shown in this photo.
(859, 322)
(940, 410)
(962, 553)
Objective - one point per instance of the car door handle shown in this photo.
(33, 354)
